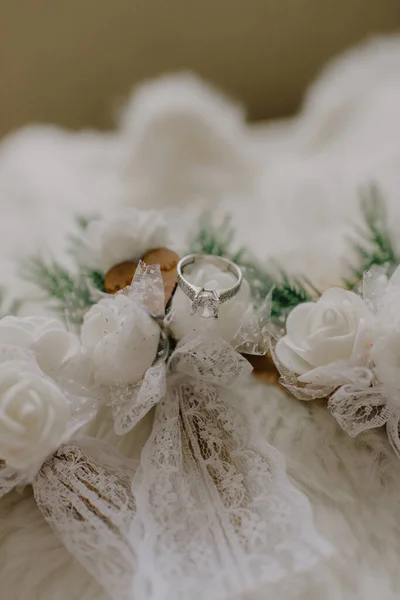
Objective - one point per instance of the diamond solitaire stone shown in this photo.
(206, 304)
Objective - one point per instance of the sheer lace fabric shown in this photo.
(89, 504)
(357, 399)
(130, 403)
(358, 409)
(9, 478)
(209, 514)
(216, 515)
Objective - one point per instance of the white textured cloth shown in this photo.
(292, 191)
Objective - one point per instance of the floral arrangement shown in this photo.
(208, 492)
(43, 399)
(344, 344)
(208, 511)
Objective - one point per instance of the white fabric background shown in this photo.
(291, 188)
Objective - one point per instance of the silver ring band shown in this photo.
(207, 301)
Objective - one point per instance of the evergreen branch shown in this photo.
(71, 294)
(286, 293)
(215, 240)
(74, 247)
(96, 277)
(376, 247)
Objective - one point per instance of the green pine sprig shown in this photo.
(71, 294)
(289, 293)
(96, 277)
(286, 292)
(216, 240)
(375, 246)
(74, 244)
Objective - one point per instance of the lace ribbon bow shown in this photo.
(131, 402)
(216, 516)
(84, 492)
(209, 513)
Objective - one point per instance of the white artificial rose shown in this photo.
(124, 235)
(230, 315)
(34, 414)
(335, 328)
(46, 337)
(121, 338)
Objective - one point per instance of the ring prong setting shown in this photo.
(206, 304)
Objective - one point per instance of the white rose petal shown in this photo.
(230, 314)
(121, 338)
(45, 337)
(125, 235)
(34, 414)
(335, 328)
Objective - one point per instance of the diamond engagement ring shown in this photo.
(205, 301)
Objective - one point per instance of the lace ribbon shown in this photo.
(130, 403)
(358, 409)
(9, 478)
(83, 492)
(210, 513)
(216, 515)
(364, 403)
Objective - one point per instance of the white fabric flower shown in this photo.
(124, 235)
(47, 338)
(122, 339)
(34, 414)
(230, 314)
(335, 328)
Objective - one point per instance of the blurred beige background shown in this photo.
(73, 61)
